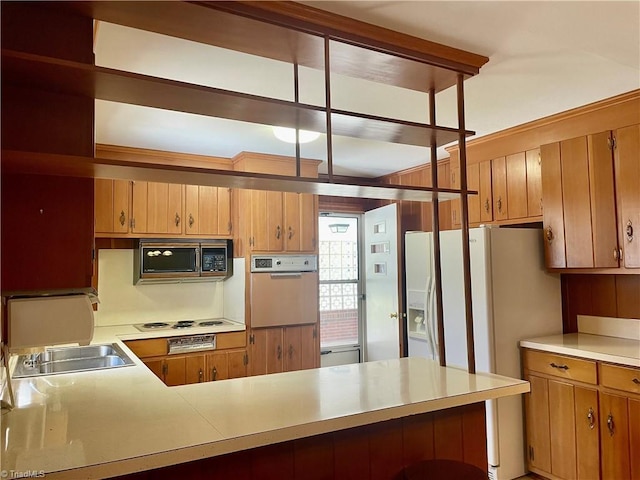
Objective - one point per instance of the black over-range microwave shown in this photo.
(182, 260)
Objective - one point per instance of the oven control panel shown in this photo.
(284, 263)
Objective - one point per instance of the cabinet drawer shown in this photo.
(561, 366)
(148, 348)
(620, 378)
(231, 340)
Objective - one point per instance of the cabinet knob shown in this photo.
(123, 218)
(636, 381)
(616, 254)
(629, 230)
(290, 233)
(279, 352)
(393, 315)
(290, 352)
(191, 221)
(591, 419)
(278, 232)
(499, 203)
(487, 205)
(214, 374)
(177, 220)
(200, 376)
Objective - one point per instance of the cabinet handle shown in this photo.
(591, 418)
(214, 374)
(177, 219)
(290, 352)
(541, 205)
(561, 367)
(486, 205)
(278, 232)
(616, 254)
(123, 218)
(629, 230)
(610, 425)
(191, 221)
(499, 204)
(165, 369)
(549, 234)
(290, 233)
(279, 352)
(200, 376)
(229, 227)
(636, 381)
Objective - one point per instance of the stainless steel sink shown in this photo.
(70, 360)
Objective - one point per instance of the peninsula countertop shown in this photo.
(112, 422)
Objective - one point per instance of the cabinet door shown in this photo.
(194, 369)
(174, 371)
(473, 183)
(486, 195)
(499, 186)
(156, 366)
(562, 430)
(309, 347)
(628, 191)
(603, 203)
(587, 432)
(516, 168)
(614, 437)
(217, 366)
(534, 183)
(266, 221)
(576, 202)
(553, 214)
(139, 195)
(191, 209)
(112, 206)
(292, 222)
(207, 210)
(537, 417)
(225, 227)
(266, 351)
(634, 437)
(237, 361)
(309, 222)
(292, 349)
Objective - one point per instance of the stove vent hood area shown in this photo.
(182, 260)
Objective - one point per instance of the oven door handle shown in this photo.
(286, 274)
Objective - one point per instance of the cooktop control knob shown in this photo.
(278, 262)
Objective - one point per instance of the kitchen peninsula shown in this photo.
(339, 420)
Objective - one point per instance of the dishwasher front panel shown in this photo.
(281, 299)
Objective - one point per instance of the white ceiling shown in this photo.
(545, 57)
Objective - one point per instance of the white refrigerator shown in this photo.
(513, 298)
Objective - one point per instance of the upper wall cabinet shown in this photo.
(627, 166)
(207, 210)
(579, 192)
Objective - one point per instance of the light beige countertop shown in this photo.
(112, 422)
(595, 347)
(107, 334)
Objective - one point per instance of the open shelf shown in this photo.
(65, 76)
(293, 33)
(91, 167)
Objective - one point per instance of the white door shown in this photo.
(382, 325)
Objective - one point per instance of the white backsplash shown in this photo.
(123, 303)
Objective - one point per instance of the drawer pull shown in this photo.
(636, 381)
(591, 419)
(561, 367)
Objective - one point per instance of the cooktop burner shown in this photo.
(184, 324)
(210, 323)
(155, 325)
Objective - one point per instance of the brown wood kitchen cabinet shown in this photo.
(228, 360)
(156, 208)
(627, 169)
(582, 417)
(534, 183)
(579, 194)
(207, 210)
(284, 349)
(112, 205)
(276, 221)
(480, 205)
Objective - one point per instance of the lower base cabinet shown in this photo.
(284, 349)
(229, 360)
(582, 417)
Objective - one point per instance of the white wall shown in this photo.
(121, 302)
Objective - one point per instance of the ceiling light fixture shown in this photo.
(339, 227)
(289, 135)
